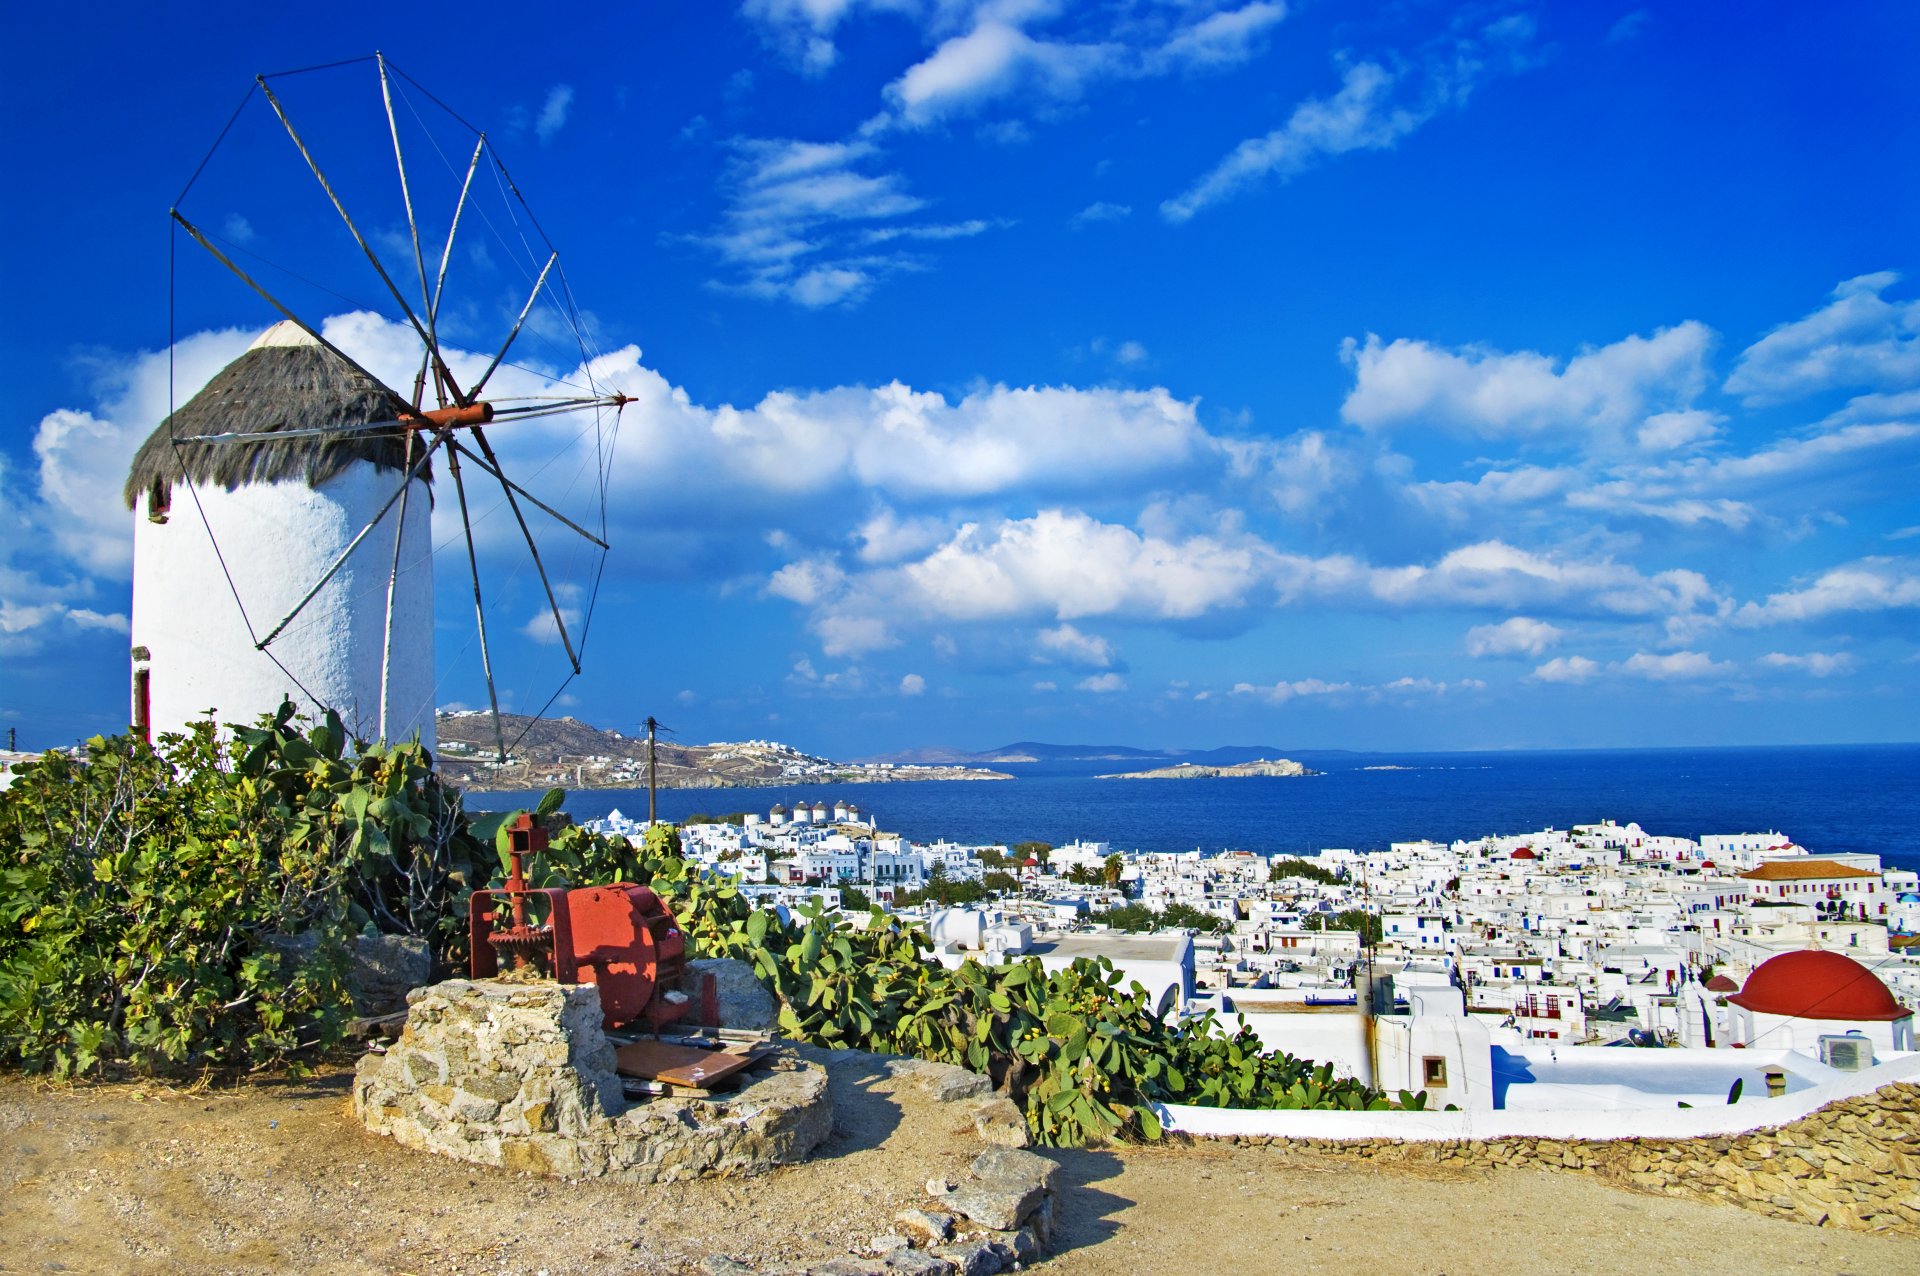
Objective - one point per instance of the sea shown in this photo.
(1829, 798)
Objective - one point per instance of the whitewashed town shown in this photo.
(1500, 969)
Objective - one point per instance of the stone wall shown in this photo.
(1854, 1163)
(520, 1076)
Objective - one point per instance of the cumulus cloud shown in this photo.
(1495, 574)
(1567, 669)
(1672, 666)
(1819, 664)
(1518, 636)
(1866, 585)
(1102, 684)
(1068, 645)
(913, 685)
(1642, 384)
(1859, 339)
(1375, 107)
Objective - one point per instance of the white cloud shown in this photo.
(1672, 666)
(1068, 645)
(1819, 664)
(1866, 585)
(1567, 669)
(1226, 38)
(1102, 684)
(800, 217)
(1374, 108)
(1518, 636)
(1101, 211)
(913, 685)
(996, 60)
(542, 627)
(1046, 685)
(1859, 339)
(888, 538)
(1495, 574)
(1638, 383)
(1281, 692)
(1130, 352)
(553, 113)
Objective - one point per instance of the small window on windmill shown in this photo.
(159, 500)
(1433, 1069)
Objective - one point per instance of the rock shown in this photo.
(849, 1267)
(1011, 1166)
(721, 1265)
(917, 1262)
(881, 1246)
(1019, 1245)
(385, 969)
(926, 1226)
(743, 1001)
(520, 1076)
(972, 1258)
(945, 1083)
(997, 1120)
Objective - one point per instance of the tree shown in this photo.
(1024, 851)
(1280, 869)
(1110, 870)
(1001, 883)
(1368, 924)
(853, 899)
(991, 857)
(1081, 875)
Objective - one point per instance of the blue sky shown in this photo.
(1402, 376)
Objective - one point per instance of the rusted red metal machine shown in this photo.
(620, 938)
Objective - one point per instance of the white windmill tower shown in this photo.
(282, 516)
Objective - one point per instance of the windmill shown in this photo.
(283, 539)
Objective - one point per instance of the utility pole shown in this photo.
(653, 774)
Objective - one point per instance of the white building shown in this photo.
(229, 536)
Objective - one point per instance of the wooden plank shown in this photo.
(678, 1065)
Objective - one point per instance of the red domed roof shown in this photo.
(1524, 853)
(1818, 985)
(1720, 983)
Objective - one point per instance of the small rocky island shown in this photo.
(1194, 771)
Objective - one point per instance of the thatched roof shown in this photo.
(285, 381)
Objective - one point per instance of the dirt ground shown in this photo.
(277, 1177)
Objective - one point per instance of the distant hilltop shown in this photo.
(568, 753)
(1034, 751)
(1191, 771)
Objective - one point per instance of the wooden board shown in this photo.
(678, 1065)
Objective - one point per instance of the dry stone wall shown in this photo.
(520, 1076)
(1853, 1164)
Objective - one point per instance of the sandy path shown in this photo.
(277, 1178)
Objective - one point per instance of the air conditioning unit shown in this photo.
(1848, 1054)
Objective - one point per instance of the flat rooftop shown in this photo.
(1114, 947)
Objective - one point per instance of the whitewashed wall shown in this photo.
(277, 539)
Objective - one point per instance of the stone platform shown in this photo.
(520, 1076)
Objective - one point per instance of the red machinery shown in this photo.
(620, 938)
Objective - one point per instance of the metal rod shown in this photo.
(532, 297)
(406, 195)
(393, 582)
(479, 609)
(480, 437)
(453, 228)
(341, 561)
(275, 302)
(361, 240)
(483, 463)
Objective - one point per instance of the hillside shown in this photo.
(1284, 767)
(1034, 751)
(572, 754)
